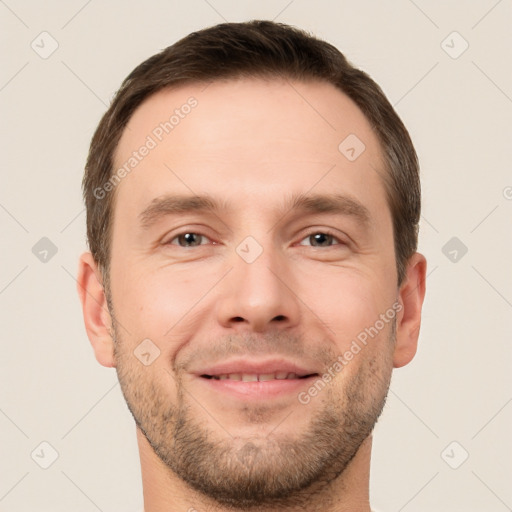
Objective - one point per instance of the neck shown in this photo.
(164, 491)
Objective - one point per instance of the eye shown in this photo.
(187, 239)
(322, 239)
(316, 239)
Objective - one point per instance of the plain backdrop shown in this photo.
(443, 442)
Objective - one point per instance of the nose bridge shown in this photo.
(257, 267)
(258, 294)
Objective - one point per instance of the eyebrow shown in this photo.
(300, 203)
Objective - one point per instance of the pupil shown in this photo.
(321, 235)
(189, 238)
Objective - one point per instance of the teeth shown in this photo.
(253, 377)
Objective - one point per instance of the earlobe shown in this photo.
(94, 307)
(410, 295)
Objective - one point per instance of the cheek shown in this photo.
(345, 301)
(158, 304)
(351, 305)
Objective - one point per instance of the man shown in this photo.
(252, 213)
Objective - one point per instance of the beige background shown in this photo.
(459, 113)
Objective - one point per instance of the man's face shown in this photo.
(256, 289)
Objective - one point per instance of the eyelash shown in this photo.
(317, 232)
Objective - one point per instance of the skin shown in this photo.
(253, 143)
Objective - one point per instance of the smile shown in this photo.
(253, 377)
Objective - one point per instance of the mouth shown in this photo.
(258, 377)
(256, 387)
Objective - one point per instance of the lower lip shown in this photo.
(256, 390)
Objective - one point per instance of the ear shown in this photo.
(410, 295)
(97, 318)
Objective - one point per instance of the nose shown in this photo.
(260, 295)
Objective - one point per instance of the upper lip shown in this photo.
(256, 367)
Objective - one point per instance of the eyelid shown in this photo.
(315, 231)
(200, 231)
(177, 235)
(324, 231)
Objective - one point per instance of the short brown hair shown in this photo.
(250, 50)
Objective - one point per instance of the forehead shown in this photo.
(246, 138)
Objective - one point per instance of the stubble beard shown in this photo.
(257, 472)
